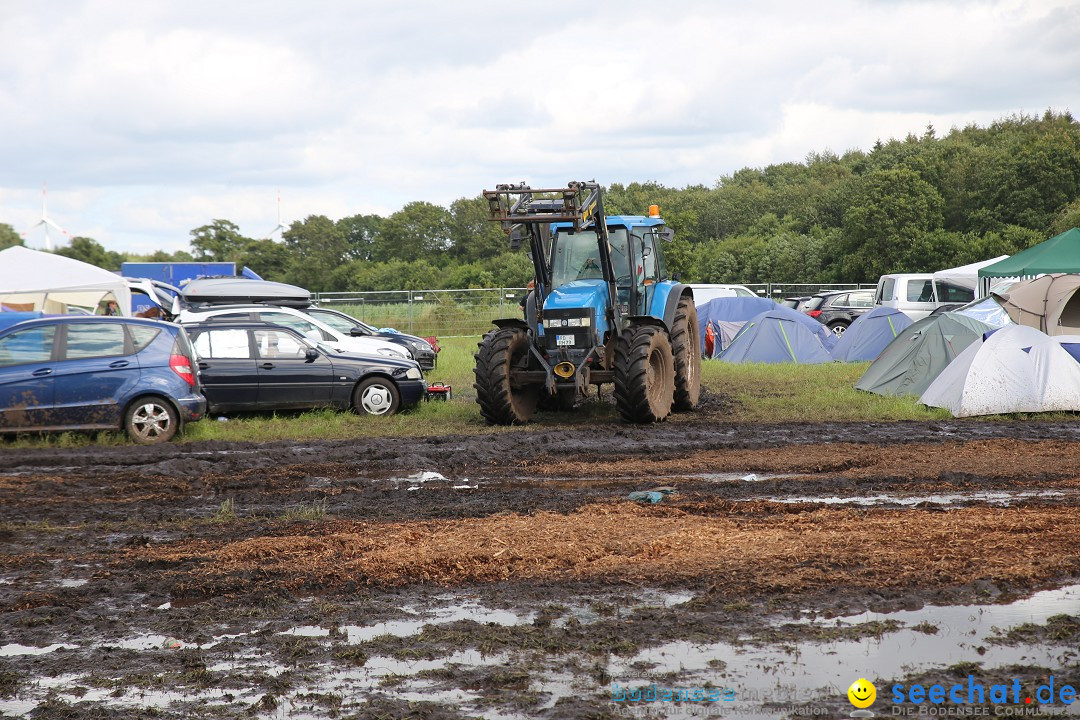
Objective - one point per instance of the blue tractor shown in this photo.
(601, 309)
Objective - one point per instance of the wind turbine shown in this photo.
(279, 228)
(45, 220)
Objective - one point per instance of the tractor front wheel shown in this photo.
(644, 375)
(498, 354)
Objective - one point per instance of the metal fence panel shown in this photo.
(443, 313)
(449, 313)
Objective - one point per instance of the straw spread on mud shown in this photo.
(741, 549)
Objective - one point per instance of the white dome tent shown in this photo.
(1015, 369)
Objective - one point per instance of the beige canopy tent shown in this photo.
(35, 280)
(1049, 303)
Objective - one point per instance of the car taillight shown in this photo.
(181, 365)
(813, 313)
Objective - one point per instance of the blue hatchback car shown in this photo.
(74, 372)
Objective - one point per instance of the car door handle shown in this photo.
(42, 372)
(267, 366)
(119, 364)
(203, 366)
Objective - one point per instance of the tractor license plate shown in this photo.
(562, 340)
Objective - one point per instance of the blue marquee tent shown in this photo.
(727, 315)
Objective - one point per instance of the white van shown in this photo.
(917, 294)
(704, 292)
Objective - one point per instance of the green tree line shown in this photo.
(917, 204)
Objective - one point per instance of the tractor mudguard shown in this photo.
(667, 297)
(503, 323)
(648, 320)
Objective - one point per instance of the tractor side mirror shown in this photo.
(667, 234)
(515, 239)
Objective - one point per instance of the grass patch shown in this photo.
(758, 393)
(788, 392)
(226, 512)
(305, 512)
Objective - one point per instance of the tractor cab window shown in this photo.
(576, 256)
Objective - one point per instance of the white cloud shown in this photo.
(151, 119)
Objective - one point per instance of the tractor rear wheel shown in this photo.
(500, 352)
(686, 347)
(644, 375)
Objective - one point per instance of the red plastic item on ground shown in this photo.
(438, 391)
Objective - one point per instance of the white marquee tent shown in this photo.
(35, 280)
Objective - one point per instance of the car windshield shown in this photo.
(814, 303)
(576, 256)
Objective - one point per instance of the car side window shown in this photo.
(839, 301)
(920, 291)
(279, 345)
(223, 345)
(336, 321)
(142, 336)
(888, 290)
(949, 293)
(861, 300)
(27, 346)
(301, 326)
(94, 340)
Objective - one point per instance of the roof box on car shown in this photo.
(234, 290)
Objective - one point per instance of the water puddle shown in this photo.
(438, 616)
(15, 649)
(307, 631)
(416, 481)
(800, 671)
(26, 471)
(996, 497)
(736, 477)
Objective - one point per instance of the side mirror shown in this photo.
(515, 238)
(667, 234)
(311, 354)
(357, 331)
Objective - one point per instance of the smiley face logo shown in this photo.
(862, 693)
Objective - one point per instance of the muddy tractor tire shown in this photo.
(644, 375)
(686, 347)
(499, 352)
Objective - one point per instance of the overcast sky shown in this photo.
(150, 118)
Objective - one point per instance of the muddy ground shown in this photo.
(509, 575)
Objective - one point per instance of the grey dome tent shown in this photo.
(918, 354)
